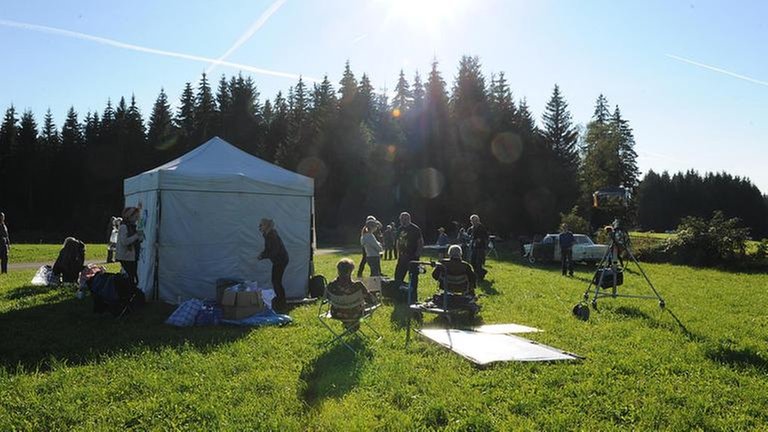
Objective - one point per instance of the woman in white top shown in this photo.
(128, 240)
(373, 248)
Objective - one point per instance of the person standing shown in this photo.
(479, 246)
(363, 259)
(128, 241)
(372, 247)
(5, 245)
(566, 241)
(410, 244)
(443, 242)
(114, 227)
(274, 250)
(389, 242)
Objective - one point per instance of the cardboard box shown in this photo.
(241, 304)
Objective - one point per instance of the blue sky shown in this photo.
(691, 76)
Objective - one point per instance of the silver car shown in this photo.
(548, 249)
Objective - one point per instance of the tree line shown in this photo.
(441, 152)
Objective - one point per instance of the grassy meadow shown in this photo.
(700, 364)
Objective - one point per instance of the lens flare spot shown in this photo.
(314, 167)
(389, 156)
(507, 147)
(396, 112)
(429, 182)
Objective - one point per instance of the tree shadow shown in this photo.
(39, 337)
(334, 373)
(634, 312)
(743, 358)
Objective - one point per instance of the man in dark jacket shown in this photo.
(479, 245)
(566, 250)
(274, 250)
(409, 244)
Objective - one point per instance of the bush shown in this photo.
(576, 223)
(715, 242)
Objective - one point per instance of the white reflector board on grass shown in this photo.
(505, 329)
(485, 348)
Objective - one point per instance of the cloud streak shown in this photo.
(148, 50)
(717, 69)
(260, 21)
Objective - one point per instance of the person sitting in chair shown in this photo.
(455, 274)
(348, 298)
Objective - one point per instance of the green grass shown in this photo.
(701, 364)
(34, 253)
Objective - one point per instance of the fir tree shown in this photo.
(629, 172)
(205, 111)
(602, 114)
(558, 131)
(71, 132)
(418, 92)
(185, 118)
(161, 134)
(403, 97)
(50, 140)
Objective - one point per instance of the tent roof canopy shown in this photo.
(218, 166)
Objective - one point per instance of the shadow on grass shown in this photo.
(486, 287)
(633, 312)
(334, 373)
(68, 332)
(30, 291)
(744, 358)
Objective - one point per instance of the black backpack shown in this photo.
(317, 285)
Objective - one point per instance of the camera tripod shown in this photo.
(609, 276)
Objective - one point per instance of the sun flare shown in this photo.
(427, 15)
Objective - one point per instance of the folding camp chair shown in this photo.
(443, 304)
(352, 326)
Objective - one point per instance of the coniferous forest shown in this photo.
(442, 145)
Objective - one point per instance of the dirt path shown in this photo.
(35, 265)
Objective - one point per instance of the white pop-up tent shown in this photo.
(200, 216)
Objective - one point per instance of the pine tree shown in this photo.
(365, 100)
(9, 132)
(602, 114)
(205, 111)
(502, 104)
(72, 133)
(403, 97)
(277, 131)
(525, 121)
(138, 155)
(50, 140)
(629, 172)
(185, 118)
(161, 134)
(293, 148)
(558, 131)
(418, 92)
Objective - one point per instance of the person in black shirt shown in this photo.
(409, 245)
(274, 250)
(479, 245)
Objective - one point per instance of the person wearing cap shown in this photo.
(274, 250)
(128, 241)
(363, 258)
(5, 245)
(371, 247)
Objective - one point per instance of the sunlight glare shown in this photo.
(428, 15)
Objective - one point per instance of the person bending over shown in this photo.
(274, 250)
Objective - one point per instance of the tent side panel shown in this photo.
(206, 236)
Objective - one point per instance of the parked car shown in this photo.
(548, 249)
